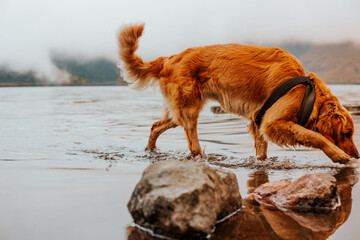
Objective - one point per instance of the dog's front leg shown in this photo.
(287, 133)
(260, 143)
(187, 117)
(193, 140)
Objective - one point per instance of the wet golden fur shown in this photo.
(240, 78)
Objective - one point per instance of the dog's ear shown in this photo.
(327, 117)
(329, 108)
(331, 121)
(338, 117)
(324, 127)
(338, 121)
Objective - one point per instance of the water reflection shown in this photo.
(255, 179)
(260, 222)
(257, 221)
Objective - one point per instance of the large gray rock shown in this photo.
(183, 199)
(310, 193)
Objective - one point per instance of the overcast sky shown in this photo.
(31, 29)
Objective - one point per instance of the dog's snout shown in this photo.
(355, 154)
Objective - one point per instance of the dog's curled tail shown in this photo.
(141, 74)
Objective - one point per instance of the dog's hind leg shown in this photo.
(260, 143)
(157, 129)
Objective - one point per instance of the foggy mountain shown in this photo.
(98, 71)
(336, 63)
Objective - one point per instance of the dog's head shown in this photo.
(336, 124)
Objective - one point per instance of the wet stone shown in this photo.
(310, 193)
(183, 199)
(265, 193)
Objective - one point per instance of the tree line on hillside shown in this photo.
(99, 71)
(10, 77)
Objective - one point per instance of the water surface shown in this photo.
(71, 156)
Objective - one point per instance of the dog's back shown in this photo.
(218, 72)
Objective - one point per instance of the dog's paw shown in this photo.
(262, 157)
(336, 154)
(340, 157)
(150, 148)
(200, 158)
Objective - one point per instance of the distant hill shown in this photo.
(296, 48)
(333, 63)
(99, 71)
(11, 78)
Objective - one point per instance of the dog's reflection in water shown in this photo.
(260, 222)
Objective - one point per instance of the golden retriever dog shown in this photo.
(240, 78)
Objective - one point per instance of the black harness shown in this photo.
(306, 105)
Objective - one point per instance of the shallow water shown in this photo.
(71, 156)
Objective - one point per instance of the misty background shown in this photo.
(74, 41)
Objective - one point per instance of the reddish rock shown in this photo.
(183, 199)
(310, 193)
(265, 192)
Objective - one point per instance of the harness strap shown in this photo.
(306, 105)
